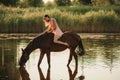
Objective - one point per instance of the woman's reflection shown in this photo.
(42, 77)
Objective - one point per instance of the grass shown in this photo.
(77, 19)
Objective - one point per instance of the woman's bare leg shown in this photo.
(59, 42)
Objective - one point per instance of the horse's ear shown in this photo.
(22, 49)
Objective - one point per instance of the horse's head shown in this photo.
(23, 58)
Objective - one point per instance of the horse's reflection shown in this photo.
(82, 77)
(24, 74)
(72, 74)
(42, 77)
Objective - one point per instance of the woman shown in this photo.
(53, 27)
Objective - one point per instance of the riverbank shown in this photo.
(83, 36)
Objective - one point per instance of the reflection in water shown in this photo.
(72, 74)
(101, 62)
(42, 77)
(8, 70)
(82, 77)
(24, 74)
(102, 59)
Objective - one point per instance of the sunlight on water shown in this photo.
(101, 62)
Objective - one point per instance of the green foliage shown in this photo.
(35, 3)
(50, 4)
(103, 2)
(75, 2)
(23, 4)
(77, 19)
(63, 2)
(9, 2)
(83, 9)
(86, 2)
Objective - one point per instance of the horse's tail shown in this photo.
(80, 49)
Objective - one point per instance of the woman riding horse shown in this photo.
(53, 27)
(47, 42)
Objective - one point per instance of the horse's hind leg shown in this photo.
(76, 58)
(73, 53)
(41, 57)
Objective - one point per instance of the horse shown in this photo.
(45, 43)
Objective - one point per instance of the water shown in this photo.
(101, 62)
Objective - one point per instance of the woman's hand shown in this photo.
(50, 31)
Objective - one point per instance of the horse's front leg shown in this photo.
(48, 58)
(70, 57)
(41, 57)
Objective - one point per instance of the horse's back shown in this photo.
(47, 39)
(70, 37)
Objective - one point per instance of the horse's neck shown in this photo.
(38, 42)
(30, 48)
(28, 51)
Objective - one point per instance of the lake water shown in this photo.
(101, 61)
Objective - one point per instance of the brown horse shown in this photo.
(46, 45)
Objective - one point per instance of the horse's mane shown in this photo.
(39, 39)
(43, 37)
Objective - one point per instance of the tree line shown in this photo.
(38, 3)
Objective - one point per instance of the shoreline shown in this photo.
(83, 35)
